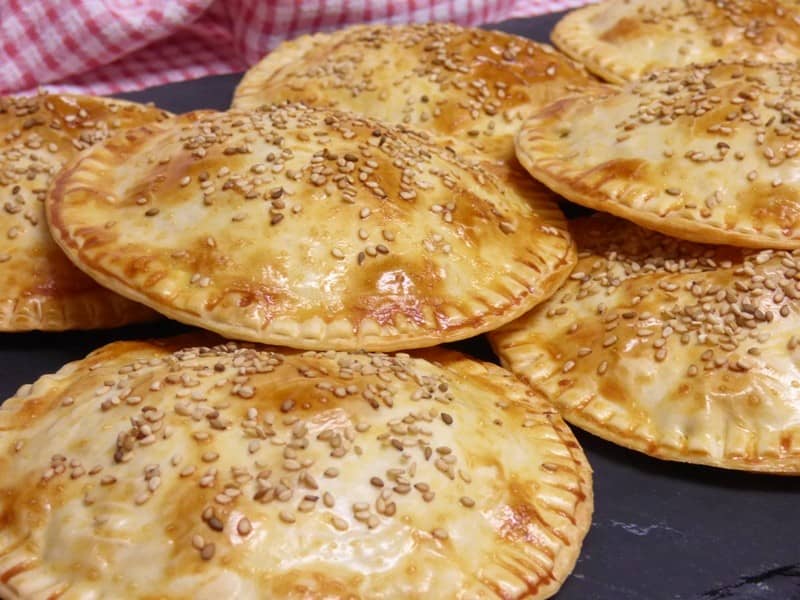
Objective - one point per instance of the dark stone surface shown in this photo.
(660, 530)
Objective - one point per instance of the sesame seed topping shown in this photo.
(204, 396)
(207, 553)
(244, 527)
(286, 516)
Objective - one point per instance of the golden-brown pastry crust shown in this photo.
(705, 154)
(682, 351)
(472, 84)
(39, 286)
(622, 40)
(311, 229)
(179, 469)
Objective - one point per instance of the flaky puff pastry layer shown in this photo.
(682, 351)
(472, 84)
(708, 154)
(39, 286)
(191, 468)
(622, 40)
(309, 228)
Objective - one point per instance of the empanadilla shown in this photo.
(683, 351)
(193, 468)
(309, 228)
(472, 84)
(39, 286)
(708, 154)
(622, 40)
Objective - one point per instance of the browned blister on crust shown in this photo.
(679, 350)
(198, 468)
(39, 286)
(708, 154)
(311, 229)
(471, 84)
(622, 40)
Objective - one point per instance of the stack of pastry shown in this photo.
(361, 197)
(675, 334)
(365, 200)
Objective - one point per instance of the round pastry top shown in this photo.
(706, 153)
(39, 287)
(680, 350)
(310, 228)
(473, 84)
(180, 468)
(622, 40)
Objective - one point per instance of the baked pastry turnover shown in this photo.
(471, 84)
(309, 228)
(39, 286)
(622, 40)
(679, 350)
(185, 470)
(707, 154)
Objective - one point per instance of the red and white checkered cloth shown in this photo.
(109, 46)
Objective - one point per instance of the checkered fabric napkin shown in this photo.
(109, 46)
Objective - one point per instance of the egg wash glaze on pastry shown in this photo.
(472, 84)
(39, 287)
(310, 228)
(196, 468)
(704, 153)
(683, 351)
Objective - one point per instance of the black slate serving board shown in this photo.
(660, 530)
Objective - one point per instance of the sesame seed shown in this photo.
(286, 517)
(244, 527)
(207, 553)
(507, 227)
